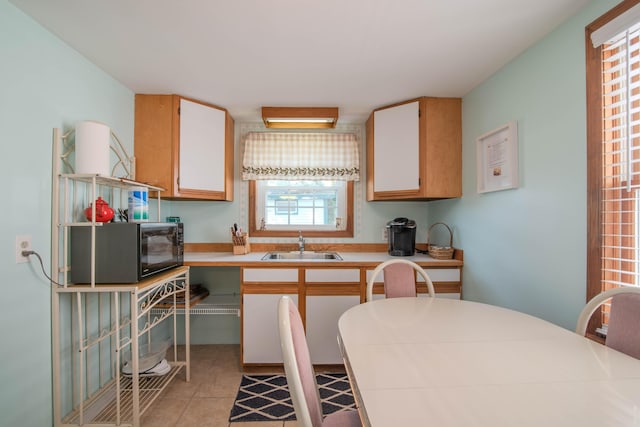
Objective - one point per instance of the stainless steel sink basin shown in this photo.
(307, 255)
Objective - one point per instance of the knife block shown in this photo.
(241, 244)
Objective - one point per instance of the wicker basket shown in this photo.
(440, 252)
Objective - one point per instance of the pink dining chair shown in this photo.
(300, 374)
(399, 279)
(623, 330)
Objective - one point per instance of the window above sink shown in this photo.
(301, 181)
(301, 205)
(287, 207)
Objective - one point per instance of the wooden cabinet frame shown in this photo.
(157, 147)
(440, 151)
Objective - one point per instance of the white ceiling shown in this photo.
(354, 54)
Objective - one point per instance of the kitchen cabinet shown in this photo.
(329, 293)
(323, 313)
(184, 146)
(261, 289)
(414, 150)
(321, 295)
(260, 335)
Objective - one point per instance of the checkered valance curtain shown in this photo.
(291, 156)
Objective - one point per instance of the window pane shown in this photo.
(312, 204)
(620, 172)
(614, 140)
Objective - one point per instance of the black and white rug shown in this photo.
(266, 397)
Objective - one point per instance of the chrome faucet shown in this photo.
(300, 242)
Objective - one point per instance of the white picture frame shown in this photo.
(497, 159)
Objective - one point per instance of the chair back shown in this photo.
(623, 332)
(399, 279)
(301, 378)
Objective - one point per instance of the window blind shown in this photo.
(301, 156)
(620, 196)
(616, 26)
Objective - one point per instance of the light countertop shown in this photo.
(349, 259)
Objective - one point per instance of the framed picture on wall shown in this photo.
(497, 159)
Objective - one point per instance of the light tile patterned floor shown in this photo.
(207, 399)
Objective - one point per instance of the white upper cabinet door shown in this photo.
(202, 147)
(396, 158)
(414, 150)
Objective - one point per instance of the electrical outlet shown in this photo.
(385, 234)
(23, 243)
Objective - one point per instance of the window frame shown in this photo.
(254, 231)
(594, 154)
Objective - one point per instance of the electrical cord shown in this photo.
(29, 253)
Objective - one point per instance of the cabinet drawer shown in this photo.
(270, 275)
(435, 274)
(442, 274)
(332, 275)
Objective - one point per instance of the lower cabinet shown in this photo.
(322, 295)
(261, 339)
(329, 293)
(260, 336)
(323, 313)
(261, 289)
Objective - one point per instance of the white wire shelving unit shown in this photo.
(96, 327)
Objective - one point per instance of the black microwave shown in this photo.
(126, 252)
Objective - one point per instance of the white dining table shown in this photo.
(441, 362)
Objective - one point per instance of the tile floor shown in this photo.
(207, 399)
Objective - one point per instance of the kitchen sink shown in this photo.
(306, 255)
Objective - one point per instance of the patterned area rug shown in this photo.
(266, 397)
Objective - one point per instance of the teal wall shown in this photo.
(526, 248)
(43, 84)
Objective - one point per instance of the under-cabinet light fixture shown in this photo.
(300, 117)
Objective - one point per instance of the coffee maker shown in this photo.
(401, 233)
